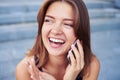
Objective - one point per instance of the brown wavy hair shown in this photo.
(82, 32)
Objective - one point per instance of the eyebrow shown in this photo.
(63, 19)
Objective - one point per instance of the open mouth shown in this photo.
(56, 41)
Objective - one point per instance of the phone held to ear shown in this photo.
(74, 44)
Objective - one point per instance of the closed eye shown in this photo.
(69, 25)
(48, 21)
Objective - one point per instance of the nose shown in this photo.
(57, 28)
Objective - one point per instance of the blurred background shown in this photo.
(18, 30)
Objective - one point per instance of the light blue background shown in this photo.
(18, 30)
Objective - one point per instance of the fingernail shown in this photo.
(30, 66)
(72, 45)
(69, 52)
(31, 76)
(77, 40)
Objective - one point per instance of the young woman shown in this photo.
(60, 24)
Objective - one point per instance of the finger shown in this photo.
(80, 48)
(72, 59)
(32, 74)
(35, 69)
(33, 77)
(30, 70)
(77, 54)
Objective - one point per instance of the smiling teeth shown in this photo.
(56, 40)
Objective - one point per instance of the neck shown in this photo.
(58, 61)
(56, 66)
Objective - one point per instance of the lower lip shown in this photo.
(53, 45)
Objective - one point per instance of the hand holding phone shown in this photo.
(74, 44)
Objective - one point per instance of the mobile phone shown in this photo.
(75, 44)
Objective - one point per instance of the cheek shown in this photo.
(45, 30)
(70, 34)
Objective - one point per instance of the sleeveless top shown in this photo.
(37, 61)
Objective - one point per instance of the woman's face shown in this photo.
(57, 30)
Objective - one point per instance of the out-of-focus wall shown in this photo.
(18, 29)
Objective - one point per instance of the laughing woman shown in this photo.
(54, 56)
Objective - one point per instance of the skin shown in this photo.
(58, 25)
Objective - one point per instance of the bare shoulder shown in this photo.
(94, 69)
(95, 63)
(21, 70)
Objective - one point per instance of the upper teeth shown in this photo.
(56, 40)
